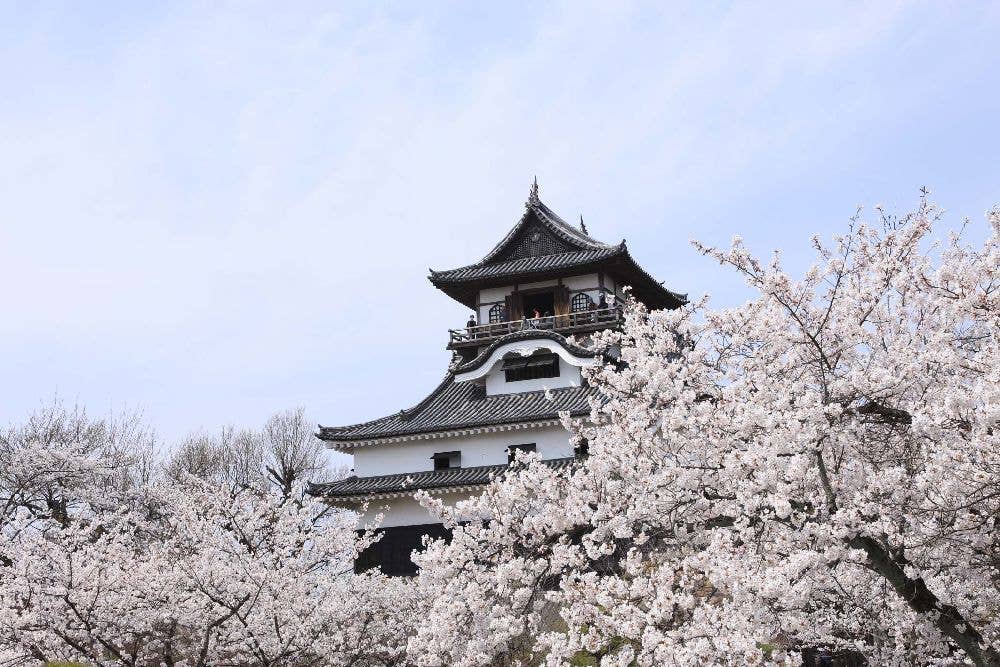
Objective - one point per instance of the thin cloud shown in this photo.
(214, 214)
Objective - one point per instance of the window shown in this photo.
(581, 302)
(497, 314)
(543, 301)
(445, 460)
(514, 449)
(535, 367)
(392, 552)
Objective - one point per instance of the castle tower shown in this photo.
(537, 296)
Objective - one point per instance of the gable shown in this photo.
(533, 240)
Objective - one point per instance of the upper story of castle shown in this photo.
(519, 362)
(549, 275)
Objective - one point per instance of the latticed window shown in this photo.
(497, 314)
(581, 301)
(535, 367)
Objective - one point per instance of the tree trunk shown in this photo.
(920, 598)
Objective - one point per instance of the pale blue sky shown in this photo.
(213, 211)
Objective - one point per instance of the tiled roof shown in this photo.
(567, 232)
(567, 251)
(526, 265)
(528, 334)
(459, 405)
(356, 487)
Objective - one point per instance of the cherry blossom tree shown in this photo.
(283, 454)
(201, 577)
(106, 566)
(818, 469)
(50, 464)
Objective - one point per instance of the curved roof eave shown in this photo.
(454, 406)
(680, 299)
(518, 336)
(524, 266)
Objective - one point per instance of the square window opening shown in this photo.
(535, 367)
(446, 460)
(542, 303)
(514, 449)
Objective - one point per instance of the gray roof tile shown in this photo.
(526, 265)
(573, 250)
(353, 487)
(456, 405)
(562, 229)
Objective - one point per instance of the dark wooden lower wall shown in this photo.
(820, 657)
(392, 552)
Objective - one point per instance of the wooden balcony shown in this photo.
(567, 325)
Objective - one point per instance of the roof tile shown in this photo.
(456, 405)
(431, 479)
(526, 265)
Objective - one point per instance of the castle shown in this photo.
(537, 297)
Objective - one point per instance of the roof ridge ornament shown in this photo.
(583, 227)
(533, 199)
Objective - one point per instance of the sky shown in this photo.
(210, 212)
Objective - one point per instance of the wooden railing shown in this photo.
(582, 320)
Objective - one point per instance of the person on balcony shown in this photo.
(602, 307)
(536, 319)
(470, 325)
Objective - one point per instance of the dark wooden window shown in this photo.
(445, 460)
(391, 554)
(542, 300)
(498, 313)
(581, 302)
(535, 367)
(514, 449)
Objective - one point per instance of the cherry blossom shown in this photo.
(817, 469)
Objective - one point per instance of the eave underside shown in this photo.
(619, 265)
(360, 489)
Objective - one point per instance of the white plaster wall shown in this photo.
(552, 442)
(614, 293)
(488, 297)
(542, 283)
(404, 511)
(609, 286)
(496, 383)
(495, 293)
(483, 315)
(595, 294)
(395, 511)
(492, 369)
(586, 281)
